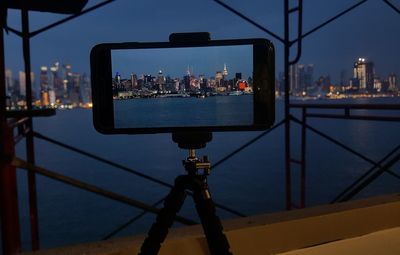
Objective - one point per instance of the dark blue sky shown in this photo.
(371, 31)
(176, 61)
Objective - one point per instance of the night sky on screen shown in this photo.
(371, 31)
(176, 62)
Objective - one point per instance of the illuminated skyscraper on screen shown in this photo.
(225, 72)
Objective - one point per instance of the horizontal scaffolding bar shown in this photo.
(347, 111)
(31, 113)
(352, 117)
(19, 163)
(348, 106)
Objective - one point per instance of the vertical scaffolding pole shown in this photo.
(287, 109)
(33, 212)
(10, 230)
(287, 45)
(303, 159)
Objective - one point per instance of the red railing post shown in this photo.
(10, 229)
(9, 219)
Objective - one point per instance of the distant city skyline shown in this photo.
(58, 80)
(359, 33)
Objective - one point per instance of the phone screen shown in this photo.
(183, 87)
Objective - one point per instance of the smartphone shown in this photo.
(167, 87)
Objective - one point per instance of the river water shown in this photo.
(184, 112)
(251, 182)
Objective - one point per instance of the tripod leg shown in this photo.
(159, 230)
(212, 227)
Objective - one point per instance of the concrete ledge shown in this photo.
(377, 243)
(269, 233)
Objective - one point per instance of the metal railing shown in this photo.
(347, 114)
(19, 125)
(24, 129)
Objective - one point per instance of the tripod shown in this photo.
(197, 183)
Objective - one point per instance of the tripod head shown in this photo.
(193, 141)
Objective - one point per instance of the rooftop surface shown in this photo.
(368, 226)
